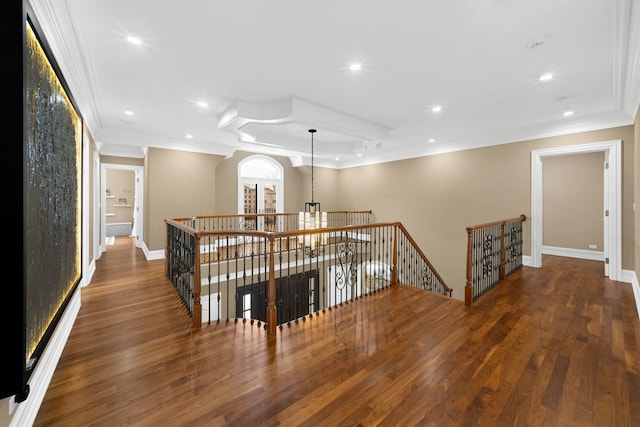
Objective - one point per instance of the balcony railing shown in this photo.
(494, 251)
(223, 272)
(269, 221)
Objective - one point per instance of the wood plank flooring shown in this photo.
(556, 346)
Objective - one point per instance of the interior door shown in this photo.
(605, 214)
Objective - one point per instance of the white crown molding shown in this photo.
(240, 113)
(55, 21)
(627, 54)
(555, 128)
(229, 143)
(621, 24)
(121, 150)
(133, 145)
(338, 122)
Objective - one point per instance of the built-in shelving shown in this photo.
(118, 209)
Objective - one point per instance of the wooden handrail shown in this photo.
(272, 237)
(263, 215)
(522, 218)
(281, 234)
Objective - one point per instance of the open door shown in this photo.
(605, 213)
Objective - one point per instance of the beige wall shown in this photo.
(121, 186)
(573, 201)
(325, 188)
(437, 197)
(178, 184)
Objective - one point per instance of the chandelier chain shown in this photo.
(312, 131)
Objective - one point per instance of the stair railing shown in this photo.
(276, 277)
(494, 251)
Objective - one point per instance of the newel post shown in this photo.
(197, 286)
(394, 268)
(272, 314)
(468, 289)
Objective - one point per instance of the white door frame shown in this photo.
(278, 182)
(138, 206)
(97, 208)
(612, 193)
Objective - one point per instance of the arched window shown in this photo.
(260, 190)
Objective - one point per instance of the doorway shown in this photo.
(612, 201)
(260, 191)
(297, 296)
(118, 201)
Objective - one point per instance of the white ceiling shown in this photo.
(270, 70)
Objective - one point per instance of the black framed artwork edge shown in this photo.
(58, 147)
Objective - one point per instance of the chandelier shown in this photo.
(312, 218)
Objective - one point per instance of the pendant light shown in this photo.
(312, 218)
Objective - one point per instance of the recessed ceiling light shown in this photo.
(355, 67)
(128, 112)
(134, 40)
(436, 109)
(202, 104)
(359, 154)
(189, 136)
(546, 77)
(568, 113)
(432, 140)
(337, 158)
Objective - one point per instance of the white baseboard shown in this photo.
(151, 255)
(636, 292)
(26, 412)
(573, 253)
(86, 277)
(629, 276)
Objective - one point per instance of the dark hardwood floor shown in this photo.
(556, 346)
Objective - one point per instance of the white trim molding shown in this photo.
(152, 255)
(629, 276)
(613, 191)
(26, 412)
(573, 253)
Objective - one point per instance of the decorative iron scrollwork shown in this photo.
(427, 279)
(487, 255)
(346, 270)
